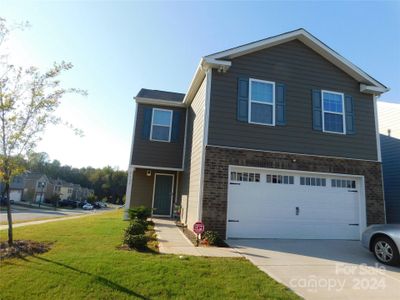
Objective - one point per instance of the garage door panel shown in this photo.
(275, 210)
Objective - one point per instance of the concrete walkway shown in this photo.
(173, 241)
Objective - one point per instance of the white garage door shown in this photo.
(15, 195)
(271, 203)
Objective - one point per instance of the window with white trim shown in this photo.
(341, 183)
(161, 123)
(313, 181)
(245, 176)
(333, 119)
(280, 179)
(261, 102)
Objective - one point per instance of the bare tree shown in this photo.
(28, 101)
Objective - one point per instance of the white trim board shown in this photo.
(291, 153)
(172, 193)
(157, 168)
(205, 140)
(160, 102)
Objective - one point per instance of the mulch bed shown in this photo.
(192, 237)
(22, 248)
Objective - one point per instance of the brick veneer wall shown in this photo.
(217, 161)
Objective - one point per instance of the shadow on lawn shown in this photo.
(101, 279)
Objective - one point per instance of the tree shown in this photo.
(28, 100)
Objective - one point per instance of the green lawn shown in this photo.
(85, 264)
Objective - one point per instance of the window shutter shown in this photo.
(148, 112)
(280, 105)
(348, 102)
(317, 110)
(243, 99)
(176, 120)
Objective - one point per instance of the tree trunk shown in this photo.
(9, 216)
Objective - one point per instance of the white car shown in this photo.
(87, 206)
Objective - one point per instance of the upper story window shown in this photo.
(261, 102)
(161, 124)
(333, 119)
(41, 185)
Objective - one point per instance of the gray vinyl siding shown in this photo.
(390, 147)
(193, 157)
(301, 70)
(157, 154)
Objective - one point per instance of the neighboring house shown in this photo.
(389, 127)
(66, 191)
(77, 192)
(16, 188)
(35, 187)
(273, 139)
(54, 188)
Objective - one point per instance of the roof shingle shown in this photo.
(161, 95)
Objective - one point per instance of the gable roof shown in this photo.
(221, 60)
(309, 40)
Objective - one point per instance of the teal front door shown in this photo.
(163, 195)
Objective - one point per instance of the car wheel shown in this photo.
(386, 251)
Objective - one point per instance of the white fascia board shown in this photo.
(311, 42)
(152, 101)
(204, 65)
(369, 89)
(194, 84)
(156, 168)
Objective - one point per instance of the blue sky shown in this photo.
(119, 47)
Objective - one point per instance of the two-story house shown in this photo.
(16, 188)
(66, 191)
(35, 187)
(274, 139)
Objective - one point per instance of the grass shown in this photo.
(84, 263)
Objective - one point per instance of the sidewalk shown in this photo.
(173, 241)
(4, 227)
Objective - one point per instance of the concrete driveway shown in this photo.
(323, 269)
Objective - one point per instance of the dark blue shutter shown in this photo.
(243, 99)
(317, 110)
(176, 121)
(148, 112)
(349, 110)
(280, 104)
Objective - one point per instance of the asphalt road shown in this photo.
(23, 214)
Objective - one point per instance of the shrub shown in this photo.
(135, 228)
(212, 238)
(139, 213)
(138, 241)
